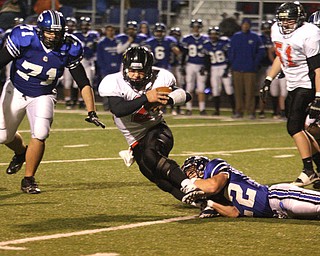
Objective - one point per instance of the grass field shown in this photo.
(92, 204)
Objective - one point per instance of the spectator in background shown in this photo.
(10, 10)
(42, 5)
(108, 60)
(245, 55)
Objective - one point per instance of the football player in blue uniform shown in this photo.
(216, 54)
(39, 56)
(89, 39)
(194, 61)
(162, 46)
(108, 60)
(233, 194)
(131, 38)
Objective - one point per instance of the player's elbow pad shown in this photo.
(178, 96)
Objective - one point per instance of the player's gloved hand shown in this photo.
(314, 109)
(182, 71)
(265, 89)
(225, 73)
(93, 118)
(203, 71)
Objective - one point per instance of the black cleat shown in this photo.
(29, 186)
(16, 163)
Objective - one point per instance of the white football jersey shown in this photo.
(135, 126)
(293, 50)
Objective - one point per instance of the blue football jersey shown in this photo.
(89, 41)
(108, 60)
(217, 52)
(161, 49)
(138, 40)
(35, 69)
(248, 196)
(194, 46)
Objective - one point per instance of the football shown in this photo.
(164, 89)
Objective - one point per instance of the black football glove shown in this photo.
(265, 90)
(93, 118)
(314, 109)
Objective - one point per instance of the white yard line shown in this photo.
(5, 245)
(227, 152)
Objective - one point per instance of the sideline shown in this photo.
(5, 245)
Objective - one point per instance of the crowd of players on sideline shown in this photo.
(198, 60)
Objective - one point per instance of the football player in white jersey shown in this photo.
(297, 46)
(136, 95)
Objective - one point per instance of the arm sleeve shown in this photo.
(79, 75)
(6, 57)
(314, 62)
(120, 107)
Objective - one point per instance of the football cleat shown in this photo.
(30, 186)
(208, 212)
(16, 163)
(192, 194)
(305, 178)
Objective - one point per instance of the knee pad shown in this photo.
(165, 166)
(165, 142)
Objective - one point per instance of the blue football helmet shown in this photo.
(159, 30)
(196, 23)
(194, 166)
(51, 21)
(175, 31)
(315, 18)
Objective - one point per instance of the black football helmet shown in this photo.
(196, 23)
(290, 11)
(315, 18)
(194, 166)
(175, 31)
(138, 58)
(159, 30)
(51, 21)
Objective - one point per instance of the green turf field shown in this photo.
(92, 204)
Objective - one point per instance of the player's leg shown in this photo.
(12, 112)
(40, 116)
(190, 85)
(296, 104)
(215, 83)
(295, 202)
(201, 84)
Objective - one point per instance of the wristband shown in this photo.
(317, 94)
(269, 78)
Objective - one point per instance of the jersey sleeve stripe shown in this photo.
(12, 49)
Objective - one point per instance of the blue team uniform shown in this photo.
(161, 49)
(89, 41)
(37, 65)
(248, 196)
(108, 60)
(138, 40)
(193, 45)
(268, 44)
(217, 51)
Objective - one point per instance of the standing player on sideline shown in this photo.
(68, 82)
(135, 101)
(233, 194)
(89, 39)
(162, 46)
(216, 54)
(39, 56)
(193, 59)
(298, 56)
